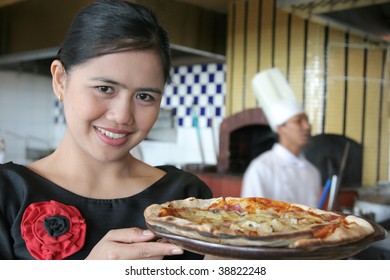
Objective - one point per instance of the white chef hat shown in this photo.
(275, 96)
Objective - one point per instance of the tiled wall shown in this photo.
(197, 98)
(31, 116)
(197, 89)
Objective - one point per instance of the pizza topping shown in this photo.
(261, 222)
(235, 207)
(257, 221)
(324, 231)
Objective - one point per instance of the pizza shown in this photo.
(256, 221)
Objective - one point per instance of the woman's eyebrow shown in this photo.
(150, 89)
(110, 81)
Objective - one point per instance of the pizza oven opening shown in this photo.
(243, 136)
(248, 142)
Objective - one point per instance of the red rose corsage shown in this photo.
(52, 230)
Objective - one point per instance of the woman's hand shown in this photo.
(131, 243)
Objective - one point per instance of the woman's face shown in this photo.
(111, 102)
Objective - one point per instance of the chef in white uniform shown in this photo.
(282, 173)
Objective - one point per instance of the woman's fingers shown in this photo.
(130, 235)
(132, 243)
(146, 250)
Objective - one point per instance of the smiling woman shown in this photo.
(124, 101)
(110, 75)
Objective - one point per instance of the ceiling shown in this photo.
(214, 5)
(4, 3)
(39, 61)
(369, 18)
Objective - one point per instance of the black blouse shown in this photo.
(19, 187)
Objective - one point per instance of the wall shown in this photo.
(341, 78)
(26, 114)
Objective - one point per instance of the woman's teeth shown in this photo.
(111, 134)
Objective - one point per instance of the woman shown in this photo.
(86, 200)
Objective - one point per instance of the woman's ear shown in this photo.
(58, 78)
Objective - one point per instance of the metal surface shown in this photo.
(366, 17)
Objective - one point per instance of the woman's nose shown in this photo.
(121, 112)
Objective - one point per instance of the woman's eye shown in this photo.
(106, 89)
(145, 97)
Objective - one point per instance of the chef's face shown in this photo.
(296, 130)
(110, 102)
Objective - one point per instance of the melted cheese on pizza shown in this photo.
(255, 217)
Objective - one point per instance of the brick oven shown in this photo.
(243, 136)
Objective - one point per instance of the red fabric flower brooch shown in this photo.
(52, 230)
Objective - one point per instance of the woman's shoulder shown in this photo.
(13, 183)
(184, 181)
(171, 169)
(174, 172)
(12, 170)
(17, 181)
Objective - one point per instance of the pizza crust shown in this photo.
(354, 228)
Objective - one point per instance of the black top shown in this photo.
(19, 187)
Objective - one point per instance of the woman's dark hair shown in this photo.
(109, 26)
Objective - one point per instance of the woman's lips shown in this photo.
(111, 137)
(110, 134)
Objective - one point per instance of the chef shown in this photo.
(282, 173)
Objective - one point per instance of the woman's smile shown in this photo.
(112, 137)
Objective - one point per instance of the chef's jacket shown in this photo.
(279, 174)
